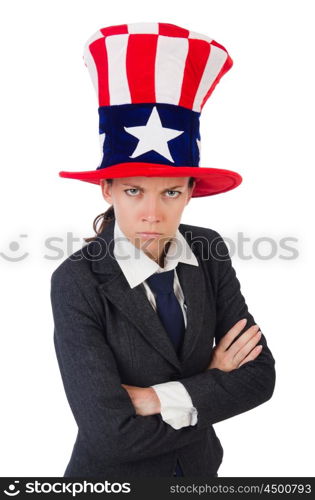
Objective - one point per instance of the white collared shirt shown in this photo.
(176, 405)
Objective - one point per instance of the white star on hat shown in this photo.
(153, 136)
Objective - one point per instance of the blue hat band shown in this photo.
(149, 133)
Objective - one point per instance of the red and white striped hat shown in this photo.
(152, 81)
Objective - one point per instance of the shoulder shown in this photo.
(204, 238)
(75, 268)
(74, 289)
(74, 286)
(199, 230)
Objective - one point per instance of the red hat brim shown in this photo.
(210, 181)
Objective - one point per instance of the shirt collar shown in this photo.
(137, 266)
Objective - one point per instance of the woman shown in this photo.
(137, 309)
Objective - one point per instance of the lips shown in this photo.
(146, 232)
(149, 235)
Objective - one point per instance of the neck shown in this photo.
(161, 258)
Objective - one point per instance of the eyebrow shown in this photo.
(139, 187)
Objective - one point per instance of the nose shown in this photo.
(151, 210)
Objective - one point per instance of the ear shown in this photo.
(106, 191)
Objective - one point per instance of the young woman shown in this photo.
(137, 310)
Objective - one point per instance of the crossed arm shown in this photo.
(226, 356)
(240, 371)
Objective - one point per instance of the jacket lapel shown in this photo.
(133, 302)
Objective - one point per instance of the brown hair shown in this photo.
(105, 218)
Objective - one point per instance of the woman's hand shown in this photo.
(228, 357)
(144, 399)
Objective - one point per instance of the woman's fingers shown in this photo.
(230, 354)
(228, 338)
(241, 342)
(252, 355)
(243, 352)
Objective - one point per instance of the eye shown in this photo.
(130, 189)
(171, 191)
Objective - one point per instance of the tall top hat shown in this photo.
(152, 81)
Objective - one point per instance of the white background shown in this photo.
(259, 122)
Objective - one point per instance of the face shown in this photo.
(148, 205)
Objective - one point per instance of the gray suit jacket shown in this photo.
(107, 334)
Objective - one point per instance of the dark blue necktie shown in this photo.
(170, 313)
(167, 306)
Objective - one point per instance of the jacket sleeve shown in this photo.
(102, 408)
(216, 394)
